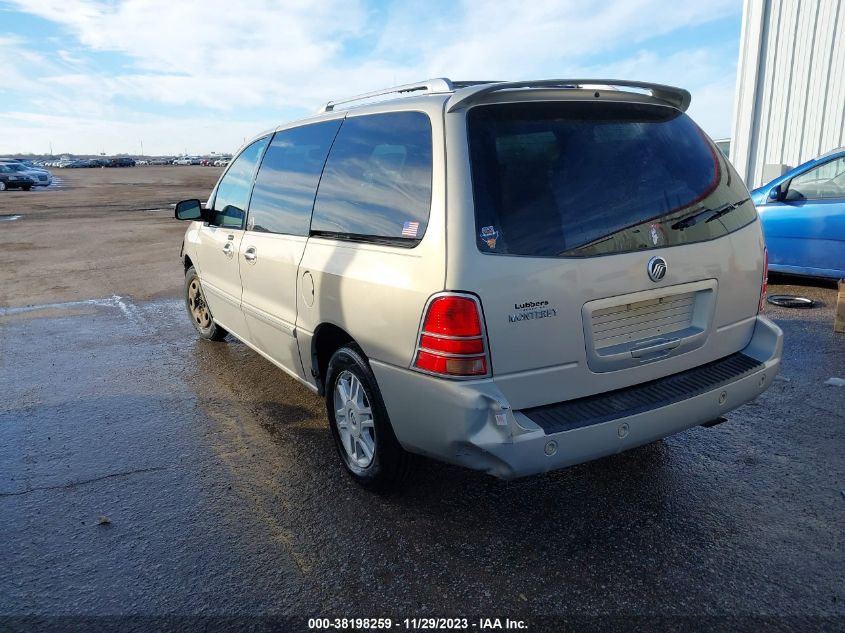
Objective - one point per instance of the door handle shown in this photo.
(228, 249)
(250, 255)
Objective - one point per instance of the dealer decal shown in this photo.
(531, 310)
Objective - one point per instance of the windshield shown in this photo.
(577, 178)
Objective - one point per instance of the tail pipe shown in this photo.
(714, 422)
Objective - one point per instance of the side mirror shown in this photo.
(189, 210)
(775, 195)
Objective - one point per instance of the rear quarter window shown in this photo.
(377, 179)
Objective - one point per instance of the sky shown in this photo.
(183, 76)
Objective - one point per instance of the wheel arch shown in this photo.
(327, 339)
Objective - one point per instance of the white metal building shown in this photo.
(790, 90)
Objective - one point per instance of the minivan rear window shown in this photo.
(574, 179)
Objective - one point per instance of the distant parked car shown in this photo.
(13, 179)
(803, 216)
(222, 162)
(121, 162)
(40, 177)
(73, 164)
(182, 161)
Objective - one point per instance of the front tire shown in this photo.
(2, 186)
(198, 310)
(359, 423)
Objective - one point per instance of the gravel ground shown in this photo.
(99, 232)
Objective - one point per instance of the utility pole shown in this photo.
(142, 148)
(51, 148)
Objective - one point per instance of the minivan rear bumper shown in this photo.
(470, 423)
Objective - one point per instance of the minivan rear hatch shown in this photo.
(614, 245)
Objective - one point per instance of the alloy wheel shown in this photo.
(354, 419)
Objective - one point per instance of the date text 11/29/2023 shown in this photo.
(417, 624)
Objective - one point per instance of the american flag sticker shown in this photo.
(409, 229)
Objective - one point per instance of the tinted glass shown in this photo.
(578, 179)
(233, 191)
(824, 181)
(377, 180)
(287, 179)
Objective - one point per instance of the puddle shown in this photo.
(9, 218)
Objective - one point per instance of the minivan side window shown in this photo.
(233, 191)
(287, 180)
(377, 180)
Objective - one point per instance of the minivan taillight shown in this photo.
(765, 287)
(451, 341)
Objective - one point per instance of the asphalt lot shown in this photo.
(146, 472)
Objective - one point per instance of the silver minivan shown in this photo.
(510, 276)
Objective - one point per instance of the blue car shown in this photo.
(803, 216)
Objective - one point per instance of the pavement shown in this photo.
(144, 472)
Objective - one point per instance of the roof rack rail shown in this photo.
(428, 86)
(676, 97)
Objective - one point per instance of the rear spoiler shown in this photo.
(675, 97)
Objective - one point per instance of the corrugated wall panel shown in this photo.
(793, 97)
(778, 73)
(750, 43)
(767, 97)
(820, 78)
(800, 91)
(790, 100)
(835, 103)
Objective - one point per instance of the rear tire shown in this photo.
(361, 428)
(198, 310)
(2, 186)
